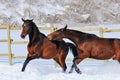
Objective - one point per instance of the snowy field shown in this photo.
(45, 70)
(40, 69)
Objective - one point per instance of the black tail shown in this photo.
(73, 49)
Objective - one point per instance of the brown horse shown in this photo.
(89, 45)
(40, 46)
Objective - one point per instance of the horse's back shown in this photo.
(60, 44)
(48, 49)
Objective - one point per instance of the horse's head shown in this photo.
(58, 34)
(26, 27)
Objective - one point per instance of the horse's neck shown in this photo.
(34, 35)
(77, 38)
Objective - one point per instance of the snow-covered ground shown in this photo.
(40, 69)
(45, 70)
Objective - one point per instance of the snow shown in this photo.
(85, 16)
(44, 70)
(40, 69)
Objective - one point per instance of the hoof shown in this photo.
(69, 72)
(63, 71)
(78, 71)
(22, 70)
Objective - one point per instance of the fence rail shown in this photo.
(12, 42)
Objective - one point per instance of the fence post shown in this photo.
(52, 29)
(9, 45)
(101, 32)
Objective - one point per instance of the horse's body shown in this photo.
(40, 46)
(89, 45)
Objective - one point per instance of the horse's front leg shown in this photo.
(27, 61)
(74, 65)
(81, 55)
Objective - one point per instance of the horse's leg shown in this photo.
(74, 65)
(57, 60)
(62, 57)
(117, 50)
(114, 57)
(81, 55)
(118, 56)
(63, 64)
(25, 63)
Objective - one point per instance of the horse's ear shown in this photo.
(65, 26)
(23, 20)
(64, 29)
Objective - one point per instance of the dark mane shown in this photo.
(82, 34)
(34, 26)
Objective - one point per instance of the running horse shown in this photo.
(40, 46)
(89, 45)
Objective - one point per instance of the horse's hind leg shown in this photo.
(114, 57)
(117, 56)
(117, 50)
(57, 60)
(63, 64)
(62, 57)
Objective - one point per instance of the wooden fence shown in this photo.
(12, 42)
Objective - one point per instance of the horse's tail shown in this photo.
(73, 48)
